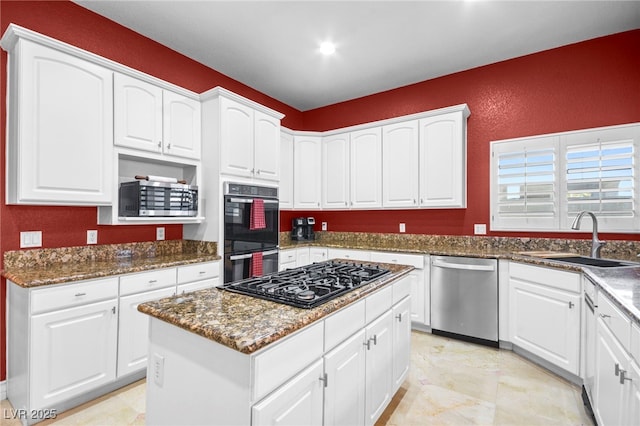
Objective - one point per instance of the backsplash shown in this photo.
(614, 249)
(105, 252)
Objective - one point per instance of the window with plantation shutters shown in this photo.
(544, 182)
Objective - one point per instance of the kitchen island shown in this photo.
(217, 357)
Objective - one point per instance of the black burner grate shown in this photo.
(309, 286)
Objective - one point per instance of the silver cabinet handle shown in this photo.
(80, 294)
(258, 171)
(375, 339)
(603, 316)
(324, 379)
(202, 272)
(367, 344)
(159, 144)
(153, 281)
(169, 145)
(113, 310)
(414, 201)
(623, 378)
(399, 317)
(571, 304)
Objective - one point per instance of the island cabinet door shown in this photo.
(344, 382)
(297, 402)
(379, 366)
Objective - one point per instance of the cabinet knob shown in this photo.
(414, 201)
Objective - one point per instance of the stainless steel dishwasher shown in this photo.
(464, 298)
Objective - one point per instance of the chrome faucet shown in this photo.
(596, 244)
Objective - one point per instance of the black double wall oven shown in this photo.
(251, 226)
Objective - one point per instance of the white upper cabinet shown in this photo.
(285, 188)
(366, 168)
(249, 141)
(307, 172)
(60, 128)
(152, 119)
(335, 171)
(400, 162)
(443, 143)
(181, 125)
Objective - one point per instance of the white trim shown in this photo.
(15, 32)
(221, 91)
(3, 390)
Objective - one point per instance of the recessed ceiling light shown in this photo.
(327, 48)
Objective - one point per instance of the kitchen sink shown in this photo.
(591, 261)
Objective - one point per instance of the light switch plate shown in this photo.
(480, 229)
(403, 227)
(158, 369)
(92, 236)
(324, 226)
(160, 233)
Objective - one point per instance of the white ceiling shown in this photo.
(272, 45)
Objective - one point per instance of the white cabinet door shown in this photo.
(400, 162)
(236, 138)
(442, 161)
(546, 322)
(181, 126)
(72, 351)
(317, 254)
(302, 256)
(285, 189)
(401, 342)
(366, 168)
(379, 366)
(297, 402)
(307, 172)
(266, 146)
(609, 393)
(133, 339)
(344, 393)
(60, 129)
(198, 285)
(137, 114)
(335, 171)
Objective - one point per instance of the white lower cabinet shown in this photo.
(401, 342)
(198, 276)
(544, 313)
(298, 402)
(318, 254)
(344, 394)
(378, 366)
(72, 351)
(134, 326)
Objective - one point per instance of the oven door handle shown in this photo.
(250, 200)
(249, 255)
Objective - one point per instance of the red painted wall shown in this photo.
(68, 22)
(589, 84)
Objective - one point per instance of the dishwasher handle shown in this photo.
(462, 266)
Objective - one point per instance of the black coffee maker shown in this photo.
(302, 229)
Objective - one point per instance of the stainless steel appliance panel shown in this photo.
(464, 296)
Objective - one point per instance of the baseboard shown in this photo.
(3, 390)
(576, 380)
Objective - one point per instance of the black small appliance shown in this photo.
(302, 229)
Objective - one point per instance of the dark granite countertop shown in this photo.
(248, 324)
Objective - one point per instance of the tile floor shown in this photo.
(450, 383)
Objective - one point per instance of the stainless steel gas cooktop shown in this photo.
(309, 286)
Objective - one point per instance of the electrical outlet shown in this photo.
(92, 237)
(480, 229)
(160, 233)
(158, 369)
(403, 228)
(30, 239)
(324, 226)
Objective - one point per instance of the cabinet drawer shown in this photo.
(363, 255)
(270, 372)
(198, 285)
(635, 342)
(568, 281)
(80, 293)
(618, 323)
(343, 324)
(378, 302)
(287, 256)
(402, 259)
(401, 289)
(197, 272)
(145, 281)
